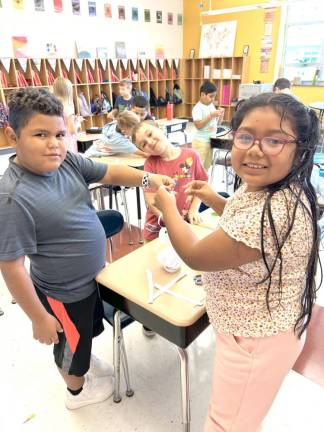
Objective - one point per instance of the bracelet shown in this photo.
(146, 180)
(159, 219)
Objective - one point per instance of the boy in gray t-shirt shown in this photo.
(47, 215)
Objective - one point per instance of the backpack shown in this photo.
(153, 98)
(177, 94)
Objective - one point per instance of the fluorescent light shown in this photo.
(243, 8)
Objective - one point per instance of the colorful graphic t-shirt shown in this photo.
(123, 104)
(185, 168)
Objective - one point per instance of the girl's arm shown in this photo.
(21, 287)
(193, 212)
(217, 251)
(206, 194)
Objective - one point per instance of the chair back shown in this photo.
(112, 221)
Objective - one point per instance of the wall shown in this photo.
(65, 28)
(250, 27)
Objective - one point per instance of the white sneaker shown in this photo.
(94, 390)
(99, 368)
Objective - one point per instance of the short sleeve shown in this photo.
(200, 172)
(91, 171)
(18, 232)
(197, 113)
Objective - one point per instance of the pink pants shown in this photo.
(248, 373)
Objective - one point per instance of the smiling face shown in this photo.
(40, 145)
(151, 140)
(255, 168)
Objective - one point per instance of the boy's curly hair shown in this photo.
(24, 103)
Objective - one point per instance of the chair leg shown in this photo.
(130, 237)
(117, 341)
(184, 368)
(211, 178)
(129, 390)
(116, 201)
(110, 249)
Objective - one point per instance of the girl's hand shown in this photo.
(157, 180)
(201, 190)
(164, 199)
(45, 329)
(193, 217)
(103, 147)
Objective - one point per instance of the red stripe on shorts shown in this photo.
(71, 333)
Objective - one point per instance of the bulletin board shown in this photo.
(217, 40)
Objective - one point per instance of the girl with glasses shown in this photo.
(260, 262)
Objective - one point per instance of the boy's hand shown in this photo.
(201, 190)
(45, 329)
(103, 147)
(164, 199)
(157, 180)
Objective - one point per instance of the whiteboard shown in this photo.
(217, 40)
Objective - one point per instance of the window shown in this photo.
(304, 47)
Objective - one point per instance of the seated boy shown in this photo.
(123, 100)
(182, 164)
(46, 214)
(116, 137)
(141, 108)
(206, 118)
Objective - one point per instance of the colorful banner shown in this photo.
(107, 10)
(58, 6)
(20, 46)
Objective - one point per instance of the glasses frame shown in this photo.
(259, 140)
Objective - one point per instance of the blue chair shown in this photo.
(113, 222)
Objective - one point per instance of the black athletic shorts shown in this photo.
(81, 321)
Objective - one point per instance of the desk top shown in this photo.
(85, 137)
(317, 105)
(129, 159)
(165, 122)
(127, 277)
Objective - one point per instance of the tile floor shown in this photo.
(33, 393)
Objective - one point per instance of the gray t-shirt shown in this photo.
(50, 218)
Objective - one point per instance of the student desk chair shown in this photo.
(178, 321)
(222, 143)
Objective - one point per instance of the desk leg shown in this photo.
(129, 228)
(117, 342)
(139, 214)
(184, 371)
(100, 198)
(211, 178)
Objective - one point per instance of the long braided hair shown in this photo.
(305, 125)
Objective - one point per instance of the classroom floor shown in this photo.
(32, 398)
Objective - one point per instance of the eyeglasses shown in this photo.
(269, 145)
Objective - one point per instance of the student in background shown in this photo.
(206, 118)
(116, 137)
(260, 263)
(47, 215)
(124, 99)
(141, 108)
(282, 85)
(63, 90)
(181, 164)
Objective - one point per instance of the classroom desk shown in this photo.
(123, 284)
(174, 125)
(134, 161)
(85, 140)
(222, 143)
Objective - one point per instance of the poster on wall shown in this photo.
(20, 46)
(58, 6)
(266, 42)
(121, 12)
(159, 17)
(76, 7)
(18, 4)
(39, 5)
(217, 40)
(92, 8)
(135, 14)
(170, 18)
(120, 49)
(102, 52)
(147, 15)
(84, 49)
(179, 19)
(160, 52)
(107, 10)
(50, 49)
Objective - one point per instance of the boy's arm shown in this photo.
(20, 285)
(126, 176)
(112, 114)
(141, 153)
(193, 212)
